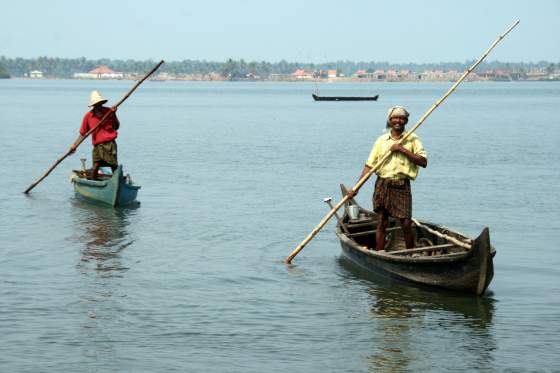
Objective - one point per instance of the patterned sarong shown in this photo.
(394, 196)
(105, 153)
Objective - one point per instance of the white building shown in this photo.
(101, 72)
(36, 74)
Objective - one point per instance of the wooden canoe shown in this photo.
(115, 190)
(344, 98)
(437, 261)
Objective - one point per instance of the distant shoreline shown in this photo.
(290, 81)
(241, 70)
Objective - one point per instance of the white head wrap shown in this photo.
(397, 111)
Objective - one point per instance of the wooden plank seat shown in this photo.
(421, 249)
(365, 233)
(360, 223)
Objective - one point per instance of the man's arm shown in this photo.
(75, 144)
(116, 122)
(364, 171)
(415, 158)
(83, 129)
(351, 192)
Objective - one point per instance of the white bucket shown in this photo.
(353, 211)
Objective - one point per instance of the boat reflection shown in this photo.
(414, 326)
(103, 232)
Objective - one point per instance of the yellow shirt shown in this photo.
(398, 165)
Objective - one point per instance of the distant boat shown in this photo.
(344, 98)
(115, 190)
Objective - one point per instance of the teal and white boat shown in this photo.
(112, 189)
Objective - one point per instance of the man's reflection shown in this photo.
(411, 325)
(103, 232)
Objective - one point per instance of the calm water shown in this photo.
(233, 176)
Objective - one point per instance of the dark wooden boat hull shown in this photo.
(469, 271)
(344, 98)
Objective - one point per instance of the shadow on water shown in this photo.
(410, 321)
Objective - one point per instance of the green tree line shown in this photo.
(3, 72)
(238, 69)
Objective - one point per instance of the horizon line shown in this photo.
(279, 61)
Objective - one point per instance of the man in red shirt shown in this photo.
(103, 138)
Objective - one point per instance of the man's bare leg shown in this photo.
(406, 224)
(380, 230)
(95, 171)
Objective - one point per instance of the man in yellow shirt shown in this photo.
(392, 196)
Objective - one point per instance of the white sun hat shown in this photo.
(96, 98)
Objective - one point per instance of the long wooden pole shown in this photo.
(361, 182)
(103, 119)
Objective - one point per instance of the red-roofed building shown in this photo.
(101, 72)
(104, 72)
(361, 74)
(302, 74)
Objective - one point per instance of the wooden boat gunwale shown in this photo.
(400, 258)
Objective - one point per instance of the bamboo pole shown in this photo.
(362, 180)
(338, 218)
(444, 236)
(103, 119)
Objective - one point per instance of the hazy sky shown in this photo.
(396, 31)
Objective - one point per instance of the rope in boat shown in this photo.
(439, 234)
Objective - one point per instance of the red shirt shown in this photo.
(105, 132)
